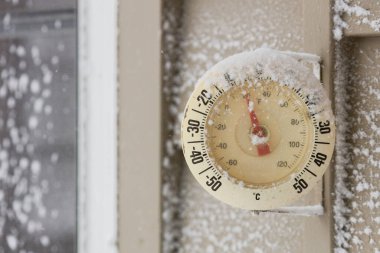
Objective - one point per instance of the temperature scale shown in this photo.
(258, 130)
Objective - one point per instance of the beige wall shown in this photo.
(195, 35)
(211, 32)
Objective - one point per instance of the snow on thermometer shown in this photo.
(258, 130)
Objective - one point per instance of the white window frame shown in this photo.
(97, 126)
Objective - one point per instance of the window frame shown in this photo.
(97, 126)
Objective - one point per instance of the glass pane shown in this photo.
(38, 149)
(33, 5)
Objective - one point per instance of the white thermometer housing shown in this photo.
(258, 131)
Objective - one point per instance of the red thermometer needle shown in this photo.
(263, 148)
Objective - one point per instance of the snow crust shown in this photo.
(356, 192)
(251, 106)
(342, 7)
(268, 64)
(256, 140)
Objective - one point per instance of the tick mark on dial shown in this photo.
(195, 142)
(205, 170)
(204, 114)
(322, 142)
(312, 173)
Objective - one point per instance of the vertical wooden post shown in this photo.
(318, 40)
(139, 126)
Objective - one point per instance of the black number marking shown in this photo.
(324, 127)
(214, 183)
(196, 157)
(193, 126)
(320, 159)
(294, 144)
(204, 97)
(282, 164)
(221, 127)
(294, 122)
(300, 185)
(267, 94)
(232, 162)
(222, 145)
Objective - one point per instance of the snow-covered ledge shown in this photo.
(97, 126)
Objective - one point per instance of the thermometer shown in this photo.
(258, 130)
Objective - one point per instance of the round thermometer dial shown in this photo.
(257, 143)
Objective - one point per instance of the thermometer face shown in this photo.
(256, 145)
(258, 135)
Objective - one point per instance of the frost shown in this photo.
(44, 28)
(267, 64)
(35, 86)
(45, 241)
(343, 7)
(12, 242)
(36, 167)
(256, 140)
(23, 82)
(251, 106)
(58, 24)
(54, 157)
(367, 230)
(54, 60)
(6, 20)
(47, 74)
(22, 188)
(356, 168)
(48, 110)
(21, 51)
(38, 105)
(33, 122)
